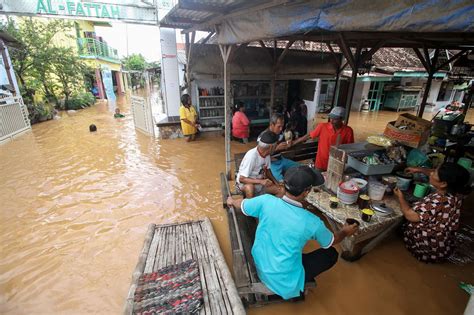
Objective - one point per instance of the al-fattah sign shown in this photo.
(127, 11)
(76, 8)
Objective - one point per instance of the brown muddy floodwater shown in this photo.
(75, 205)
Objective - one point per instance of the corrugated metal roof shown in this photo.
(187, 13)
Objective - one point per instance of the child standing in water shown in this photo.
(117, 113)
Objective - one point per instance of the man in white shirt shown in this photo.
(254, 176)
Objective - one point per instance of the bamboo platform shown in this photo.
(171, 244)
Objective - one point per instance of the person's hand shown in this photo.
(398, 192)
(266, 182)
(350, 229)
(230, 201)
(411, 170)
(289, 143)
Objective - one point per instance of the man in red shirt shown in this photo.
(328, 134)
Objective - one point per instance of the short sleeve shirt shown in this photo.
(189, 114)
(328, 137)
(252, 165)
(283, 230)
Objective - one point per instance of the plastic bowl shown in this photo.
(347, 197)
(361, 183)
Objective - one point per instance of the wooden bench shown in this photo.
(242, 235)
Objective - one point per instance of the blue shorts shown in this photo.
(280, 166)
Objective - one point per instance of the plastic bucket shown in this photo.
(421, 190)
(465, 162)
(377, 191)
(346, 195)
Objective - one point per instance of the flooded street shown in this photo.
(75, 207)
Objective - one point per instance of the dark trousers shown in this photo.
(318, 261)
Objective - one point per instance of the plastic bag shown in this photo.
(380, 141)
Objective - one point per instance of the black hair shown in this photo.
(455, 176)
(185, 98)
(237, 107)
(92, 128)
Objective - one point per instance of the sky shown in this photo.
(142, 39)
(132, 39)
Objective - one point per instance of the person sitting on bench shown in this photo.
(283, 229)
(279, 164)
(254, 177)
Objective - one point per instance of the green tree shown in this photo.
(40, 64)
(134, 62)
(69, 69)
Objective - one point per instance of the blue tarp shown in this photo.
(348, 16)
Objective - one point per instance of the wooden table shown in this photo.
(369, 234)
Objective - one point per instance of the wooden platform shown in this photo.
(242, 235)
(171, 244)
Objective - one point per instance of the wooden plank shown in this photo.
(139, 268)
(227, 278)
(150, 261)
(204, 281)
(161, 250)
(220, 288)
(197, 256)
(212, 287)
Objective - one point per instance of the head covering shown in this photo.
(300, 178)
(337, 112)
(268, 137)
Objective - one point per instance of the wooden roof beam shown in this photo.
(422, 59)
(453, 58)
(283, 54)
(346, 51)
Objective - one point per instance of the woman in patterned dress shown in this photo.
(432, 222)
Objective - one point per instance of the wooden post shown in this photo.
(189, 46)
(357, 60)
(333, 101)
(431, 69)
(225, 52)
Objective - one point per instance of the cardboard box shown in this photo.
(413, 123)
(411, 138)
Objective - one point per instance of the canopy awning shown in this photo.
(430, 24)
(254, 63)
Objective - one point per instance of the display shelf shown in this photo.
(212, 96)
(211, 107)
(214, 117)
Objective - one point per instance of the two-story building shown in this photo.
(108, 76)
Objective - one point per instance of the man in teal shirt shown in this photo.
(284, 228)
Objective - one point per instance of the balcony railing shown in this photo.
(90, 47)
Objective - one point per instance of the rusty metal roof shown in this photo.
(188, 13)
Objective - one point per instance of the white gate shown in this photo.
(13, 117)
(142, 115)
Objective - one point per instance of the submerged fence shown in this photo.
(13, 117)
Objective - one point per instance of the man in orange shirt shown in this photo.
(328, 134)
